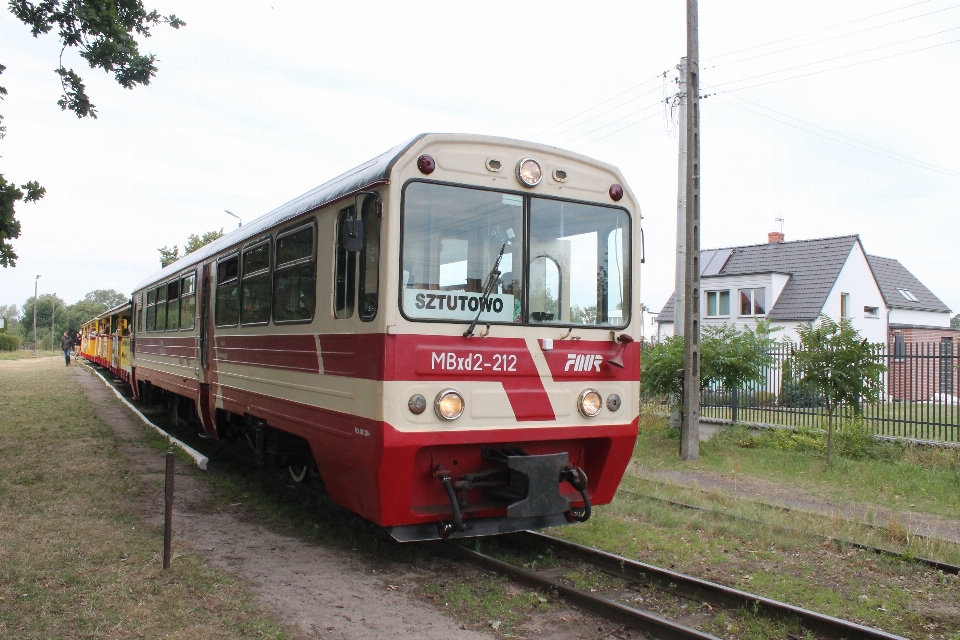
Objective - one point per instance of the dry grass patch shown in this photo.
(75, 561)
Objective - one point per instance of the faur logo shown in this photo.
(583, 362)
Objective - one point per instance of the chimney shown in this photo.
(775, 237)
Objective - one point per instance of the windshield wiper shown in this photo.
(492, 280)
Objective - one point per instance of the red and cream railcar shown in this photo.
(445, 334)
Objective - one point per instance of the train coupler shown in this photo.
(578, 480)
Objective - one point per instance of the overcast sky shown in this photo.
(257, 102)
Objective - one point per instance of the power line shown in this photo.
(809, 33)
(843, 35)
(600, 104)
(813, 73)
(845, 55)
(641, 110)
(856, 144)
(580, 124)
(653, 115)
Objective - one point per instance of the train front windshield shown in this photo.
(573, 264)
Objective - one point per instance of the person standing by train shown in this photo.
(66, 345)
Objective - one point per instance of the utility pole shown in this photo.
(53, 310)
(36, 301)
(679, 296)
(690, 404)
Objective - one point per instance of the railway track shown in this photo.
(933, 564)
(642, 577)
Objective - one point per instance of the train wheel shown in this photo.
(300, 473)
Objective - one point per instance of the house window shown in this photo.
(899, 347)
(844, 306)
(718, 303)
(907, 295)
(752, 302)
(871, 312)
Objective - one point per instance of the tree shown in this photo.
(9, 316)
(105, 31)
(955, 322)
(169, 255)
(108, 298)
(44, 309)
(734, 358)
(728, 357)
(835, 360)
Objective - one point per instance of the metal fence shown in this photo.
(921, 395)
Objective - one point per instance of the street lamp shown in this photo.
(227, 211)
(36, 301)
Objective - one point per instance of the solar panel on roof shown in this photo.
(705, 257)
(718, 259)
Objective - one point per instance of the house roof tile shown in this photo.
(813, 267)
(891, 276)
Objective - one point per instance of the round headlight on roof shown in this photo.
(449, 404)
(529, 172)
(589, 403)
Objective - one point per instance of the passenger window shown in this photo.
(256, 285)
(188, 301)
(295, 277)
(370, 261)
(228, 299)
(161, 307)
(345, 275)
(173, 306)
(151, 310)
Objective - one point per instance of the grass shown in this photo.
(789, 556)
(886, 475)
(75, 560)
(24, 354)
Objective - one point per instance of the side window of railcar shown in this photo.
(139, 313)
(173, 305)
(295, 276)
(188, 301)
(345, 273)
(228, 291)
(151, 310)
(370, 261)
(161, 307)
(255, 289)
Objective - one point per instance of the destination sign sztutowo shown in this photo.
(457, 305)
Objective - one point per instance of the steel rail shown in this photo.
(635, 618)
(934, 564)
(703, 590)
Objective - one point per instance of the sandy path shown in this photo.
(324, 592)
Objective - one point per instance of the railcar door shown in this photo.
(206, 377)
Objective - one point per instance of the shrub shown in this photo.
(9, 341)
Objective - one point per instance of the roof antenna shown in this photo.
(778, 224)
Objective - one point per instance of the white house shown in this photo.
(791, 283)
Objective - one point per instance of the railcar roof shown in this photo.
(123, 306)
(369, 173)
(372, 172)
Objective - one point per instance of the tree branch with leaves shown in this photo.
(105, 32)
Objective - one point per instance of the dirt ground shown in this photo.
(323, 592)
(922, 524)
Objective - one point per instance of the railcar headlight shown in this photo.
(590, 403)
(449, 404)
(529, 172)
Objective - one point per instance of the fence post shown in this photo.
(168, 511)
(734, 405)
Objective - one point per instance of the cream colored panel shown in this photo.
(489, 404)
